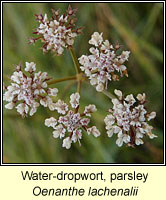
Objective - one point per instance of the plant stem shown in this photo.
(78, 71)
(108, 94)
(61, 80)
(79, 86)
(76, 64)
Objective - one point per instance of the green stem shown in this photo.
(79, 86)
(108, 94)
(75, 60)
(61, 80)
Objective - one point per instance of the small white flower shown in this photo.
(67, 143)
(110, 132)
(51, 122)
(10, 105)
(52, 106)
(59, 131)
(34, 108)
(119, 141)
(151, 135)
(22, 108)
(32, 111)
(85, 121)
(90, 109)
(100, 87)
(17, 77)
(138, 141)
(76, 136)
(126, 138)
(83, 60)
(60, 50)
(45, 101)
(152, 115)
(45, 18)
(30, 67)
(96, 39)
(53, 92)
(130, 99)
(139, 134)
(74, 100)
(13, 88)
(122, 138)
(105, 45)
(142, 118)
(125, 55)
(44, 85)
(109, 120)
(118, 93)
(117, 129)
(122, 67)
(56, 133)
(141, 97)
(61, 107)
(115, 102)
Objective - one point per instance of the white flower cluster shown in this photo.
(72, 121)
(57, 33)
(103, 63)
(26, 93)
(129, 119)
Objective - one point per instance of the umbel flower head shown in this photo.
(72, 122)
(58, 32)
(104, 63)
(27, 92)
(129, 119)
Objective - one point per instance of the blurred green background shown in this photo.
(138, 27)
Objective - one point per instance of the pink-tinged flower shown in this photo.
(129, 119)
(72, 122)
(57, 33)
(28, 91)
(104, 63)
(93, 130)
